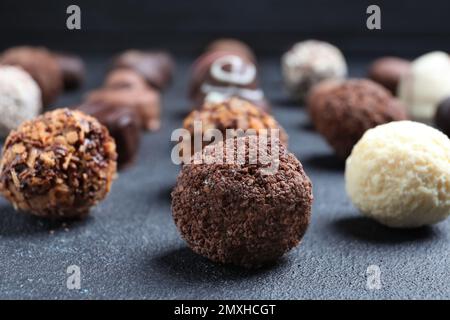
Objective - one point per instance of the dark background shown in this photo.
(269, 26)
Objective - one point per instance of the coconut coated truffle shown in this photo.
(342, 111)
(58, 165)
(20, 98)
(231, 114)
(425, 85)
(236, 214)
(399, 175)
(43, 67)
(309, 62)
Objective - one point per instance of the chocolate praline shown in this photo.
(388, 71)
(58, 165)
(73, 70)
(43, 67)
(343, 110)
(232, 45)
(237, 214)
(442, 117)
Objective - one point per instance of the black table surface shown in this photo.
(129, 247)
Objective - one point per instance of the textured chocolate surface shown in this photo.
(72, 68)
(387, 71)
(58, 165)
(442, 117)
(343, 111)
(235, 214)
(157, 67)
(129, 246)
(123, 125)
(41, 65)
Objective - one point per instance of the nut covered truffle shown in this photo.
(237, 214)
(43, 67)
(399, 175)
(58, 165)
(231, 114)
(343, 110)
(20, 98)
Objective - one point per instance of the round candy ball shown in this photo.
(237, 213)
(58, 165)
(388, 71)
(442, 118)
(399, 175)
(425, 85)
(20, 98)
(342, 111)
(309, 62)
(42, 65)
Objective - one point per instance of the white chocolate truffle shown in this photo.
(399, 174)
(309, 62)
(20, 98)
(425, 85)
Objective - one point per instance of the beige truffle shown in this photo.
(425, 85)
(399, 174)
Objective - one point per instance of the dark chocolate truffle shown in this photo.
(236, 214)
(157, 67)
(232, 45)
(43, 67)
(73, 70)
(58, 165)
(145, 102)
(123, 125)
(343, 111)
(442, 118)
(218, 75)
(387, 71)
(125, 78)
(231, 114)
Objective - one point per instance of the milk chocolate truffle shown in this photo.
(145, 102)
(344, 110)
(157, 67)
(20, 98)
(442, 118)
(399, 175)
(123, 125)
(125, 78)
(72, 68)
(58, 165)
(388, 71)
(224, 74)
(309, 62)
(232, 45)
(237, 213)
(41, 65)
(425, 85)
(231, 115)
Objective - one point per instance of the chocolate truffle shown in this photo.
(232, 114)
(72, 68)
(399, 175)
(442, 118)
(157, 67)
(237, 213)
(145, 102)
(344, 110)
(309, 62)
(58, 165)
(20, 98)
(232, 45)
(223, 74)
(425, 85)
(125, 78)
(41, 65)
(123, 125)
(387, 71)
